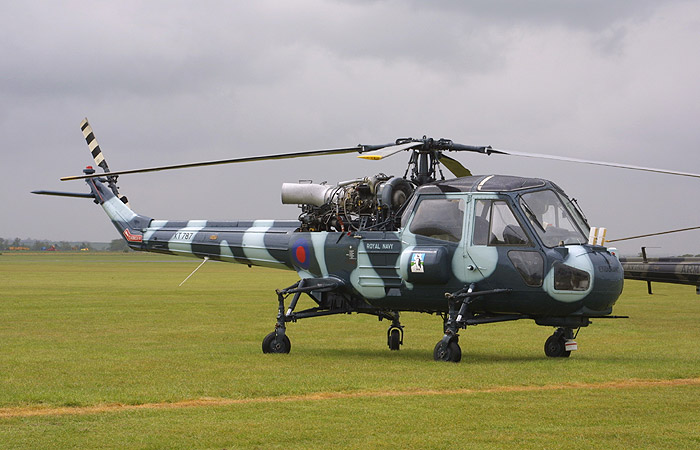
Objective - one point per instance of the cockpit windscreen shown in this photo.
(556, 220)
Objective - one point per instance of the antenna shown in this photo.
(206, 258)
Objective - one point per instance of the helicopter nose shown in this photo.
(607, 287)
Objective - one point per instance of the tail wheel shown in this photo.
(272, 344)
(447, 352)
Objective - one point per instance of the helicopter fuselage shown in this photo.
(509, 233)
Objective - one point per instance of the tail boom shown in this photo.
(258, 242)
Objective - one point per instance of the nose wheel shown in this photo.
(394, 335)
(555, 345)
(394, 339)
(447, 349)
(449, 352)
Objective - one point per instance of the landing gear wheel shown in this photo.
(447, 352)
(273, 345)
(394, 339)
(555, 346)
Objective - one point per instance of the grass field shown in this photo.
(106, 351)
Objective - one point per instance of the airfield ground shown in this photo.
(105, 351)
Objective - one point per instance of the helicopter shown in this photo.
(474, 249)
(675, 270)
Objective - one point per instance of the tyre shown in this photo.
(555, 347)
(394, 339)
(447, 352)
(273, 345)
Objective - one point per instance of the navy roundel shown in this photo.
(301, 253)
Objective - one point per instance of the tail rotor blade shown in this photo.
(93, 145)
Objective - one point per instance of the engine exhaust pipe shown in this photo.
(306, 194)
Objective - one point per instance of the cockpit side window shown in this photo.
(439, 218)
(495, 224)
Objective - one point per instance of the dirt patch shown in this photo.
(31, 411)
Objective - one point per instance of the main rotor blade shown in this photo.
(596, 163)
(653, 234)
(334, 151)
(388, 151)
(454, 166)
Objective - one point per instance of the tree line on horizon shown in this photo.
(17, 244)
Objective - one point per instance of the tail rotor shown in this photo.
(100, 159)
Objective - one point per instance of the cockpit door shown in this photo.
(434, 240)
(503, 252)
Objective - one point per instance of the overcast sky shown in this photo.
(173, 81)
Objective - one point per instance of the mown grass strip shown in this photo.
(321, 396)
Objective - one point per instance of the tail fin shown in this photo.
(100, 159)
(129, 224)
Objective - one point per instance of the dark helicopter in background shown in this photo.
(472, 249)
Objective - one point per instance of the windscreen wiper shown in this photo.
(531, 215)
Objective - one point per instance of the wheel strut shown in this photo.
(277, 341)
(447, 348)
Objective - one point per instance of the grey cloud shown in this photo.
(168, 82)
(595, 15)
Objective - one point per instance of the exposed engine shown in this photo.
(364, 203)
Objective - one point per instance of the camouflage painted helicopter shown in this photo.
(473, 249)
(676, 270)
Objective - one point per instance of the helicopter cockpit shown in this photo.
(496, 231)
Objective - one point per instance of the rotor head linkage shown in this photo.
(426, 157)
